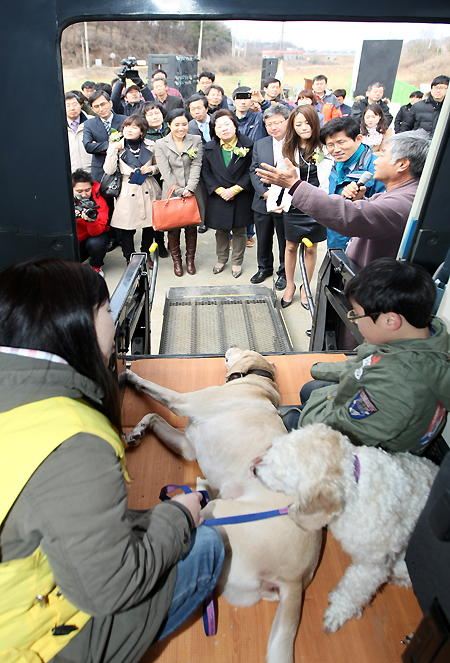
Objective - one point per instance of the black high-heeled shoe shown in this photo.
(284, 303)
(305, 306)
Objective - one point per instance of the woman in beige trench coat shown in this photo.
(133, 208)
(179, 158)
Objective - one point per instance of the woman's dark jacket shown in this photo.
(236, 213)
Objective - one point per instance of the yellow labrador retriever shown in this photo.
(228, 426)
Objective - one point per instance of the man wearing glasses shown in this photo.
(425, 113)
(269, 150)
(97, 130)
(375, 224)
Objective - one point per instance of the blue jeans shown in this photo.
(197, 575)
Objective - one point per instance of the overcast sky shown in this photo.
(337, 36)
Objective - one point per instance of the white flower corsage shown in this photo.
(115, 135)
(241, 151)
(192, 152)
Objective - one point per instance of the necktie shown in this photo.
(74, 125)
(107, 124)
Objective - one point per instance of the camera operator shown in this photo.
(135, 93)
(91, 213)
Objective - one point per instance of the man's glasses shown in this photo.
(270, 125)
(104, 103)
(352, 315)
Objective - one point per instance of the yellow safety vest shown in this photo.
(31, 605)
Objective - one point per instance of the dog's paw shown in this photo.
(334, 618)
(132, 379)
(135, 437)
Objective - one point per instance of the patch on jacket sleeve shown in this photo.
(361, 406)
(435, 423)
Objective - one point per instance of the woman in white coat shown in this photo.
(133, 207)
(179, 158)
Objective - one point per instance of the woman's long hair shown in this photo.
(382, 125)
(292, 140)
(50, 305)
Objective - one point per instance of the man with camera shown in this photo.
(135, 93)
(91, 213)
(250, 124)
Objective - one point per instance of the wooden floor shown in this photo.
(243, 632)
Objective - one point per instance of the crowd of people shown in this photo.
(255, 163)
(84, 578)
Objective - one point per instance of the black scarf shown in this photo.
(136, 160)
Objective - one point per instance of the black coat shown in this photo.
(401, 117)
(235, 213)
(96, 142)
(423, 115)
(360, 106)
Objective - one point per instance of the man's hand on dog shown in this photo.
(192, 502)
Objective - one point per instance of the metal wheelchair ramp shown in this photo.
(208, 320)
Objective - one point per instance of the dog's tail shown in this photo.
(280, 648)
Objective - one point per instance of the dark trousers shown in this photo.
(265, 226)
(94, 248)
(128, 241)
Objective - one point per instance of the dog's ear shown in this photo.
(317, 512)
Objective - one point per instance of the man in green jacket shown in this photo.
(396, 392)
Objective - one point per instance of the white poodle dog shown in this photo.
(369, 499)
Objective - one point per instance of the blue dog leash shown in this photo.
(209, 612)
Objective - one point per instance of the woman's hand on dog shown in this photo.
(192, 502)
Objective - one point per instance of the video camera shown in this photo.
(127, 71)
(88, 206)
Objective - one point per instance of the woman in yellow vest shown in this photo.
(82, 577)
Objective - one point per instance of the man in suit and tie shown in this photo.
(96, 140)
(269, 150)
(199, 125)
(97, 130)
(159, 89)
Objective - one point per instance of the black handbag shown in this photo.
(111, 185)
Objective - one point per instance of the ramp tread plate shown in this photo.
(208, 320)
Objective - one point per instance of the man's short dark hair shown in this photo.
(89, 84)
(386, 285)
(72, 95)
(340, 92)
(80, 175)
(207, 74)
(376, 84)
(320, 77)
(440, 80)
(416, 93)
(159, 71)
(106, 87)
(271, 80)
(347, 124)
(97, 94)
(148, 105)
(241, 88)
(197, 97)
(213, 86)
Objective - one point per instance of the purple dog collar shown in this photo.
(356, 468)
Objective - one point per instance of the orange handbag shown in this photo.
(175, 212)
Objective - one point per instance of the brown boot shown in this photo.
(191, 244)
(174, 248)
